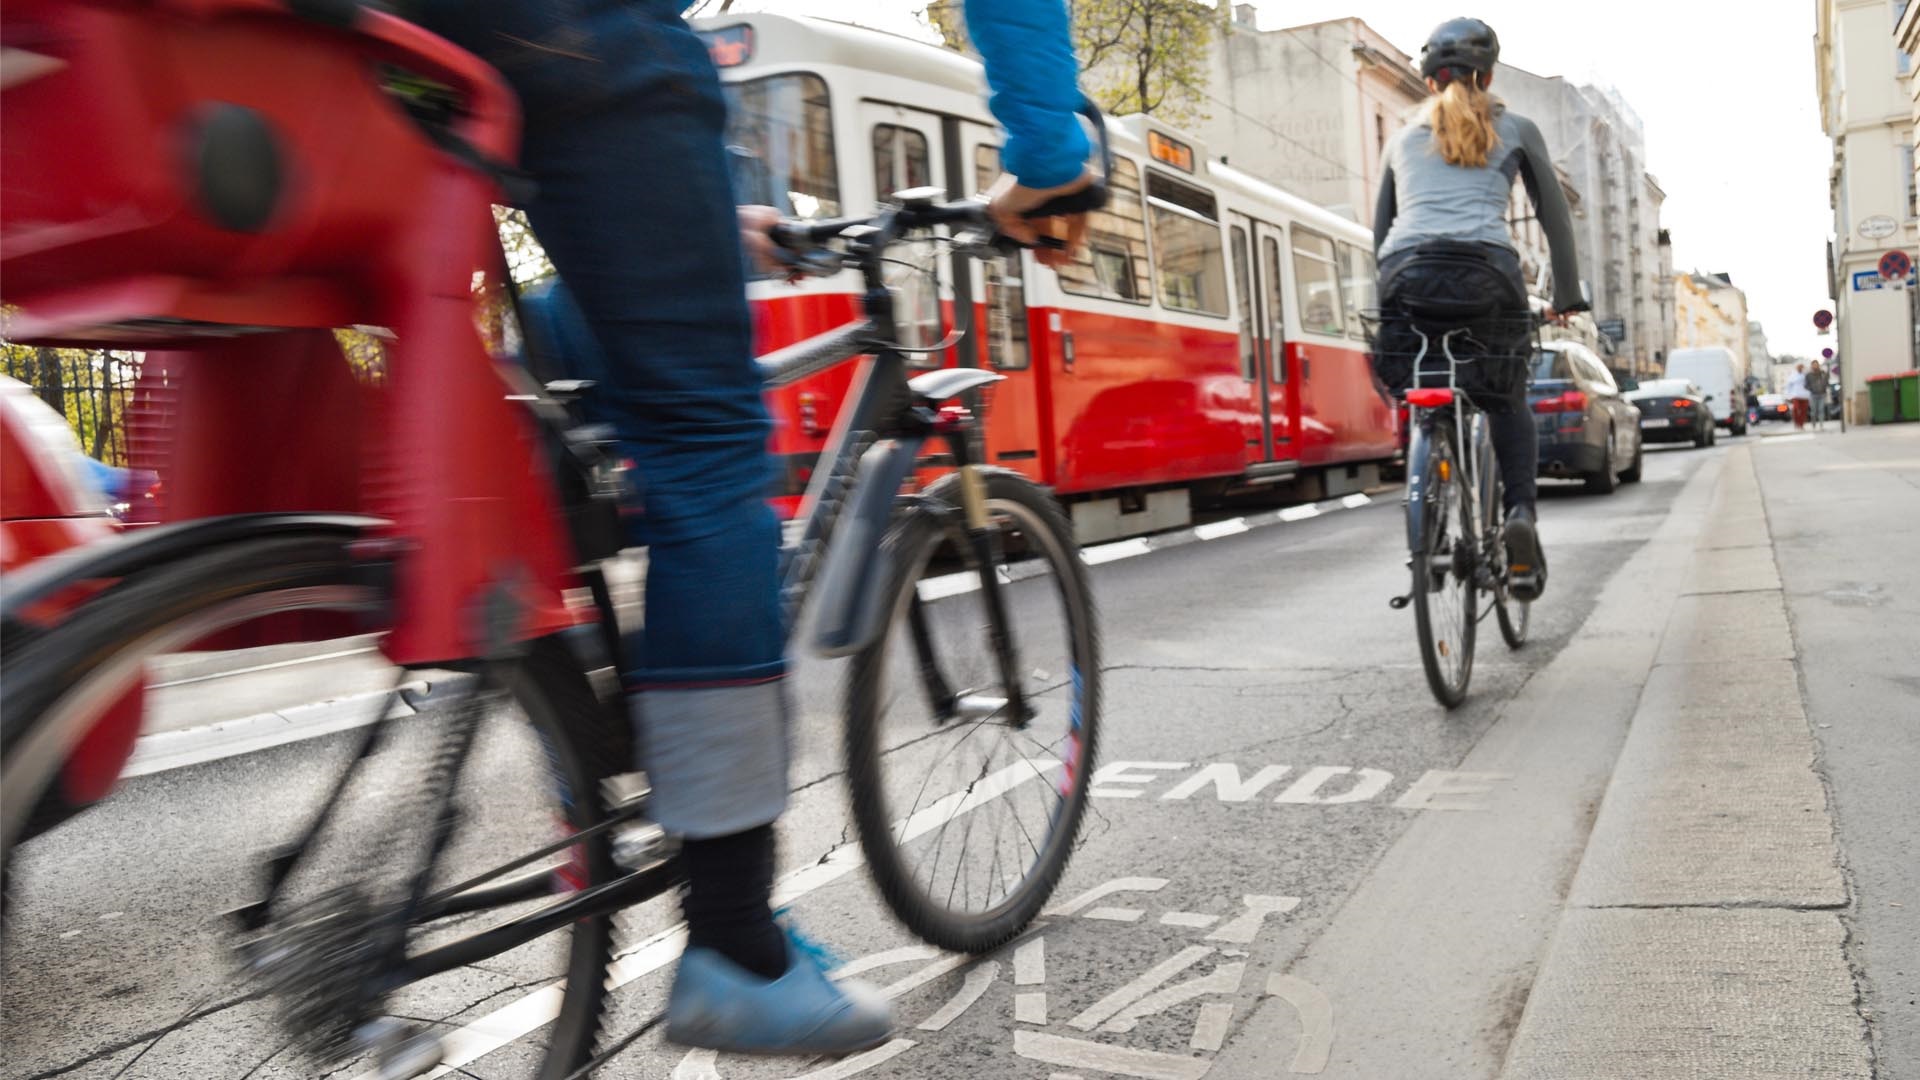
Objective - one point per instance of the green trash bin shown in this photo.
(1909, 395)
(1884, 397)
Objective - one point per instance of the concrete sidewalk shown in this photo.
(1712, 929)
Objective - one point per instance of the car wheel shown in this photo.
(1632, 475)
(1602, 482)
(1703, 437)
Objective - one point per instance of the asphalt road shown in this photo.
(1270, 752)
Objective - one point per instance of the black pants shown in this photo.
(1425, 272)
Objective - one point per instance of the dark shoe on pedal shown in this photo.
(718, 1005)
(1526, 562)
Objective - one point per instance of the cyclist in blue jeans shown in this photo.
(623, 140)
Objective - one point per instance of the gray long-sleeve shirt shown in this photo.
(1423, 198)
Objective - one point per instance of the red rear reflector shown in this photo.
(1428, 399)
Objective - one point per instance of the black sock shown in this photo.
(728, 900)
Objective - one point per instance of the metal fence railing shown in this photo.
(90, 387)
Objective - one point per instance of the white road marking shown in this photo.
(1193, 920)
(1299, 513)
(1030, 963)
(1224, 979)
(901, 955)
(1124, 549)
(1224, 778)
(950, 806)
(1210, 1033)
(1356, 501)
(1316, 1021)
(1079, 1053)
(1104, 890)
(517, 1019)
(1442, 790)
(1245, 928)
(1122, 772)
(1370, 783)
(978, 980)
(1146, 983)
(1030, 1007)
(1216, 530)
(1115, 914)
(925, 975)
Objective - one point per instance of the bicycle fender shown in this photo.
(1417, 482)
(854, 579)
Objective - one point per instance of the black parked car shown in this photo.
(1587, 429)
(1673, 410)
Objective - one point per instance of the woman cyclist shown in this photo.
(1448, 183)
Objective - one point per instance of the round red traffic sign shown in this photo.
(1895, 266)
(1822, 319)
(1826, 354)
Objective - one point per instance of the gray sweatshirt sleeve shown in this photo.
(1556, 218)
(1385, 208)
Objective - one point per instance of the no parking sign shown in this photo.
(1895, 266)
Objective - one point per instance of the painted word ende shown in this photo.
(1321, 785)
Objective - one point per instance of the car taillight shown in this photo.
(1683, 403)
(1570, 401)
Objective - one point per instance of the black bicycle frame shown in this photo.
(850, 502)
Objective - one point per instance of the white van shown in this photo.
(1712, 369)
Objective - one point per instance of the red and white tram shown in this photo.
(1208, 341)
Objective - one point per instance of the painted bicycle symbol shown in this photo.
(1212, 970)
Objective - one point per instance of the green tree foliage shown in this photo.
(90, 387)
(1137, 56)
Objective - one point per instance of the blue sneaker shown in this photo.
(718, 1005)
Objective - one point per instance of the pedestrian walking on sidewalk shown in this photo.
(1797, 394)
(1817, 383)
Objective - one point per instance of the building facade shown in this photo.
(1597, 140)
(1709, 311)
(1309, 108)
(1867, 106)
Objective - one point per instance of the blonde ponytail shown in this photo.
(1462, 121)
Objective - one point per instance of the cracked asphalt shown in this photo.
(1267, 738)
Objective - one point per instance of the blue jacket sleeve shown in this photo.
(1031, 70)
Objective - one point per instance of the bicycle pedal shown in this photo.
(1399, 603)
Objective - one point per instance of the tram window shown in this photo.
(1114, 264)
(1006, 298)
(899, 160)
(1316, 278)
(1187, 246)
(1359, 287)
(784, 126)
(1271, 249)
(1243, 289)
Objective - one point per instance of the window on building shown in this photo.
(1187, 251)
(1907, 181)
(1316, 282)
(899, 160)
(1358, 287)
(1006, 329)
(1243, 289)
(785, 124)
(1114, 264)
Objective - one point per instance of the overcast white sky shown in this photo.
(1726, 91)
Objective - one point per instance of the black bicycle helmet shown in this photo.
(1460, 44)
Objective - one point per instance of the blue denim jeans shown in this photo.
(624, 121)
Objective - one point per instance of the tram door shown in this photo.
(1283, 395)
(1255, 249)
(1002, 326)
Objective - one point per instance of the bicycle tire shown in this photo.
(1448, 675)
(546, 680)
(912, 541)
(1512, 615)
